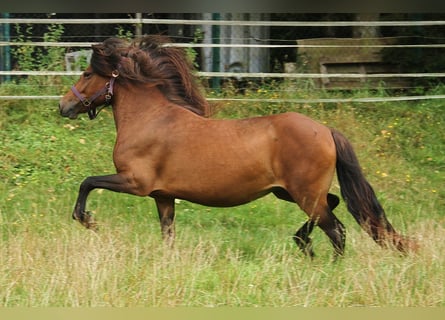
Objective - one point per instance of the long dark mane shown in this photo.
(152, 59)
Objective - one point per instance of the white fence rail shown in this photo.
(278, 100)
(255, 74)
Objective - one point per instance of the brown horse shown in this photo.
(167, 148)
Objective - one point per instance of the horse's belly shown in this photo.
(225, 188)
(225, 198)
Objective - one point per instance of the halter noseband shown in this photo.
(107, 91)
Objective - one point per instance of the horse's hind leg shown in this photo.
(301, 237)
(333, 201)
(320, 214)
(335, 230)
(340, 236)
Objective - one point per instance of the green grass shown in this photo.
(241, 256)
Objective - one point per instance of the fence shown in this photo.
(235, 46)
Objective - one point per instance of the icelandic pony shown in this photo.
(167, 148)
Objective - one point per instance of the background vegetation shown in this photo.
(241, 256)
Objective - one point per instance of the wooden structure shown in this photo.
(349, 56)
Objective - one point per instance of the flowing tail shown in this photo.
(361, 200)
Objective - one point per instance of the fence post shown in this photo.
(138, 27)
(216, 56)
(5, 52)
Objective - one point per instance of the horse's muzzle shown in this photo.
(67, 112)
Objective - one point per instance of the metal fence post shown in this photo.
(5, 52)
(216, 51)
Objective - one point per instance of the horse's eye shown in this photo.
(87, 74)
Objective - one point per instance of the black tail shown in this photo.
(360, 197)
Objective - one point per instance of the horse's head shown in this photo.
(147, 61)
(91, 91)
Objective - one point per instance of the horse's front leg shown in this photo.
(114, 182)
(166, 211)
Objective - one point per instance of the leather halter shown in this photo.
(107, 91)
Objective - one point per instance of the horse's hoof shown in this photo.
(90, 223)
(86, 219)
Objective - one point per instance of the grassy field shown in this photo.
(241, 256)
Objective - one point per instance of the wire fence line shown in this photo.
(224, 22)
(258, 44)
(226, 45)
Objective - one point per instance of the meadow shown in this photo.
(242, 256)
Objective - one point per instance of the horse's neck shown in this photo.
(136, 104)
(144, 106)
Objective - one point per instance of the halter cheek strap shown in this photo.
(107, 91)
